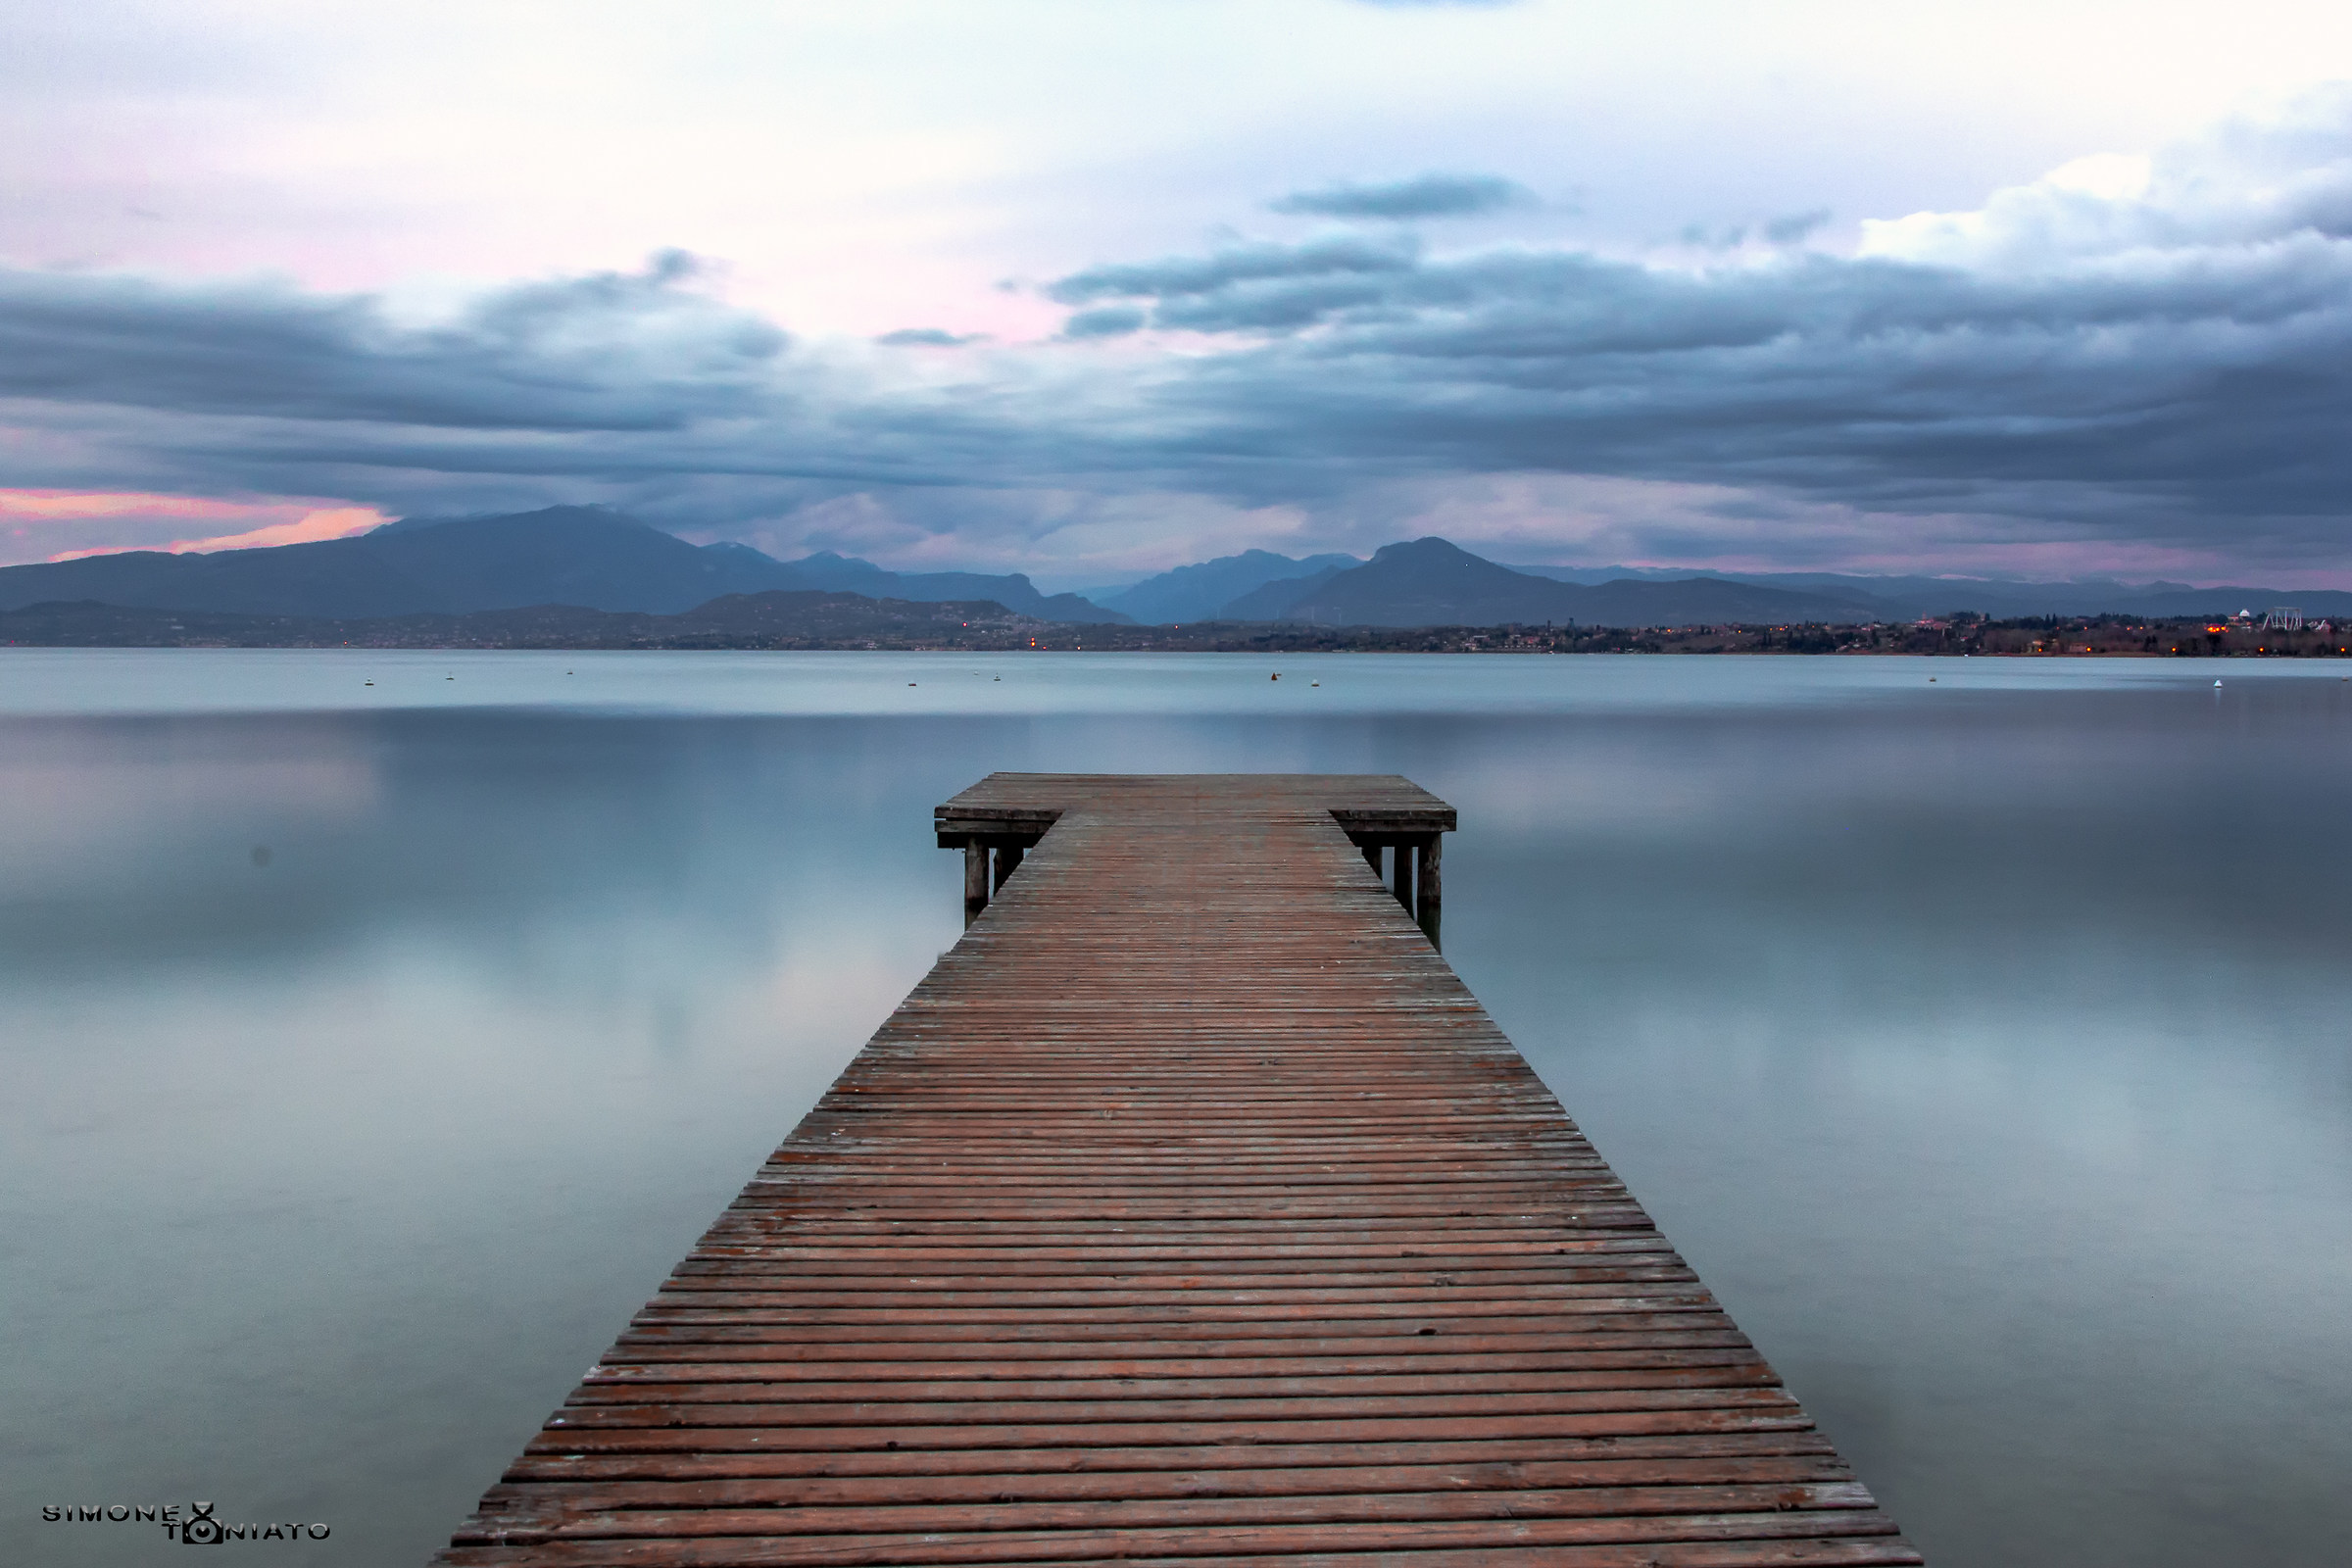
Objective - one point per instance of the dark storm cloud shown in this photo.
(1116, 320)
(637, 388)
(2172, 363)
(1243, 266)
(1425, 196)
(1249, 287)
(609, 350)
(2179, 358)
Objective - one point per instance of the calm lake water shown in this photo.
(372, 1051)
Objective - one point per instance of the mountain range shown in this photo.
(599, 560)
(1430, 583)
(583, 556)
(1224, 589)
(1463, 589)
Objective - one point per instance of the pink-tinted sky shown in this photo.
(192, 523)
(1088, 290)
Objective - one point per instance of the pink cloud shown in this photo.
(321, 522)
(210, 524)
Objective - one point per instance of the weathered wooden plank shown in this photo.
(803, 1371)
(1228, 1466)
(1228, 1513)
(1212, 1542)
(516, 1502)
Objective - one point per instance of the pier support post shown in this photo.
(1371, 849)
(1401, 871)
(1432, 883)
(975, 878)
(1009, 860)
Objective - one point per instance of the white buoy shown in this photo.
(2216, 683)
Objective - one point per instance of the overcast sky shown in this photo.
(1093, 287)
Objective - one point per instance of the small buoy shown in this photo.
(370, 683)
(1277, 675)
(910, 683)
(1930, 680)
(1314, 683)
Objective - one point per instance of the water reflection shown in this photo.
(1990, 1064)
(1984, 1047)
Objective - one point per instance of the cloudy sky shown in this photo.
(1093, 287)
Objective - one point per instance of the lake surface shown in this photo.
(373, 1051)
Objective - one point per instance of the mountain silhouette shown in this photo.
(1431, 583)
(1014, 591)
(1267, 600)
(1202, 592)
(584, 555)
(597, 558)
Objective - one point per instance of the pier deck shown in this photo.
(1190, 1212)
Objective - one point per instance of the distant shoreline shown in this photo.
(790, 622)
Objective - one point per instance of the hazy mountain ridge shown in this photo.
(1014, 591)
(1428, 582)
(1270, 601)
(580, 556)
(604, 560)
(1431, 583)
(1208, 588)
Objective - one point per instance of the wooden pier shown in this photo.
(1190, 1213)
